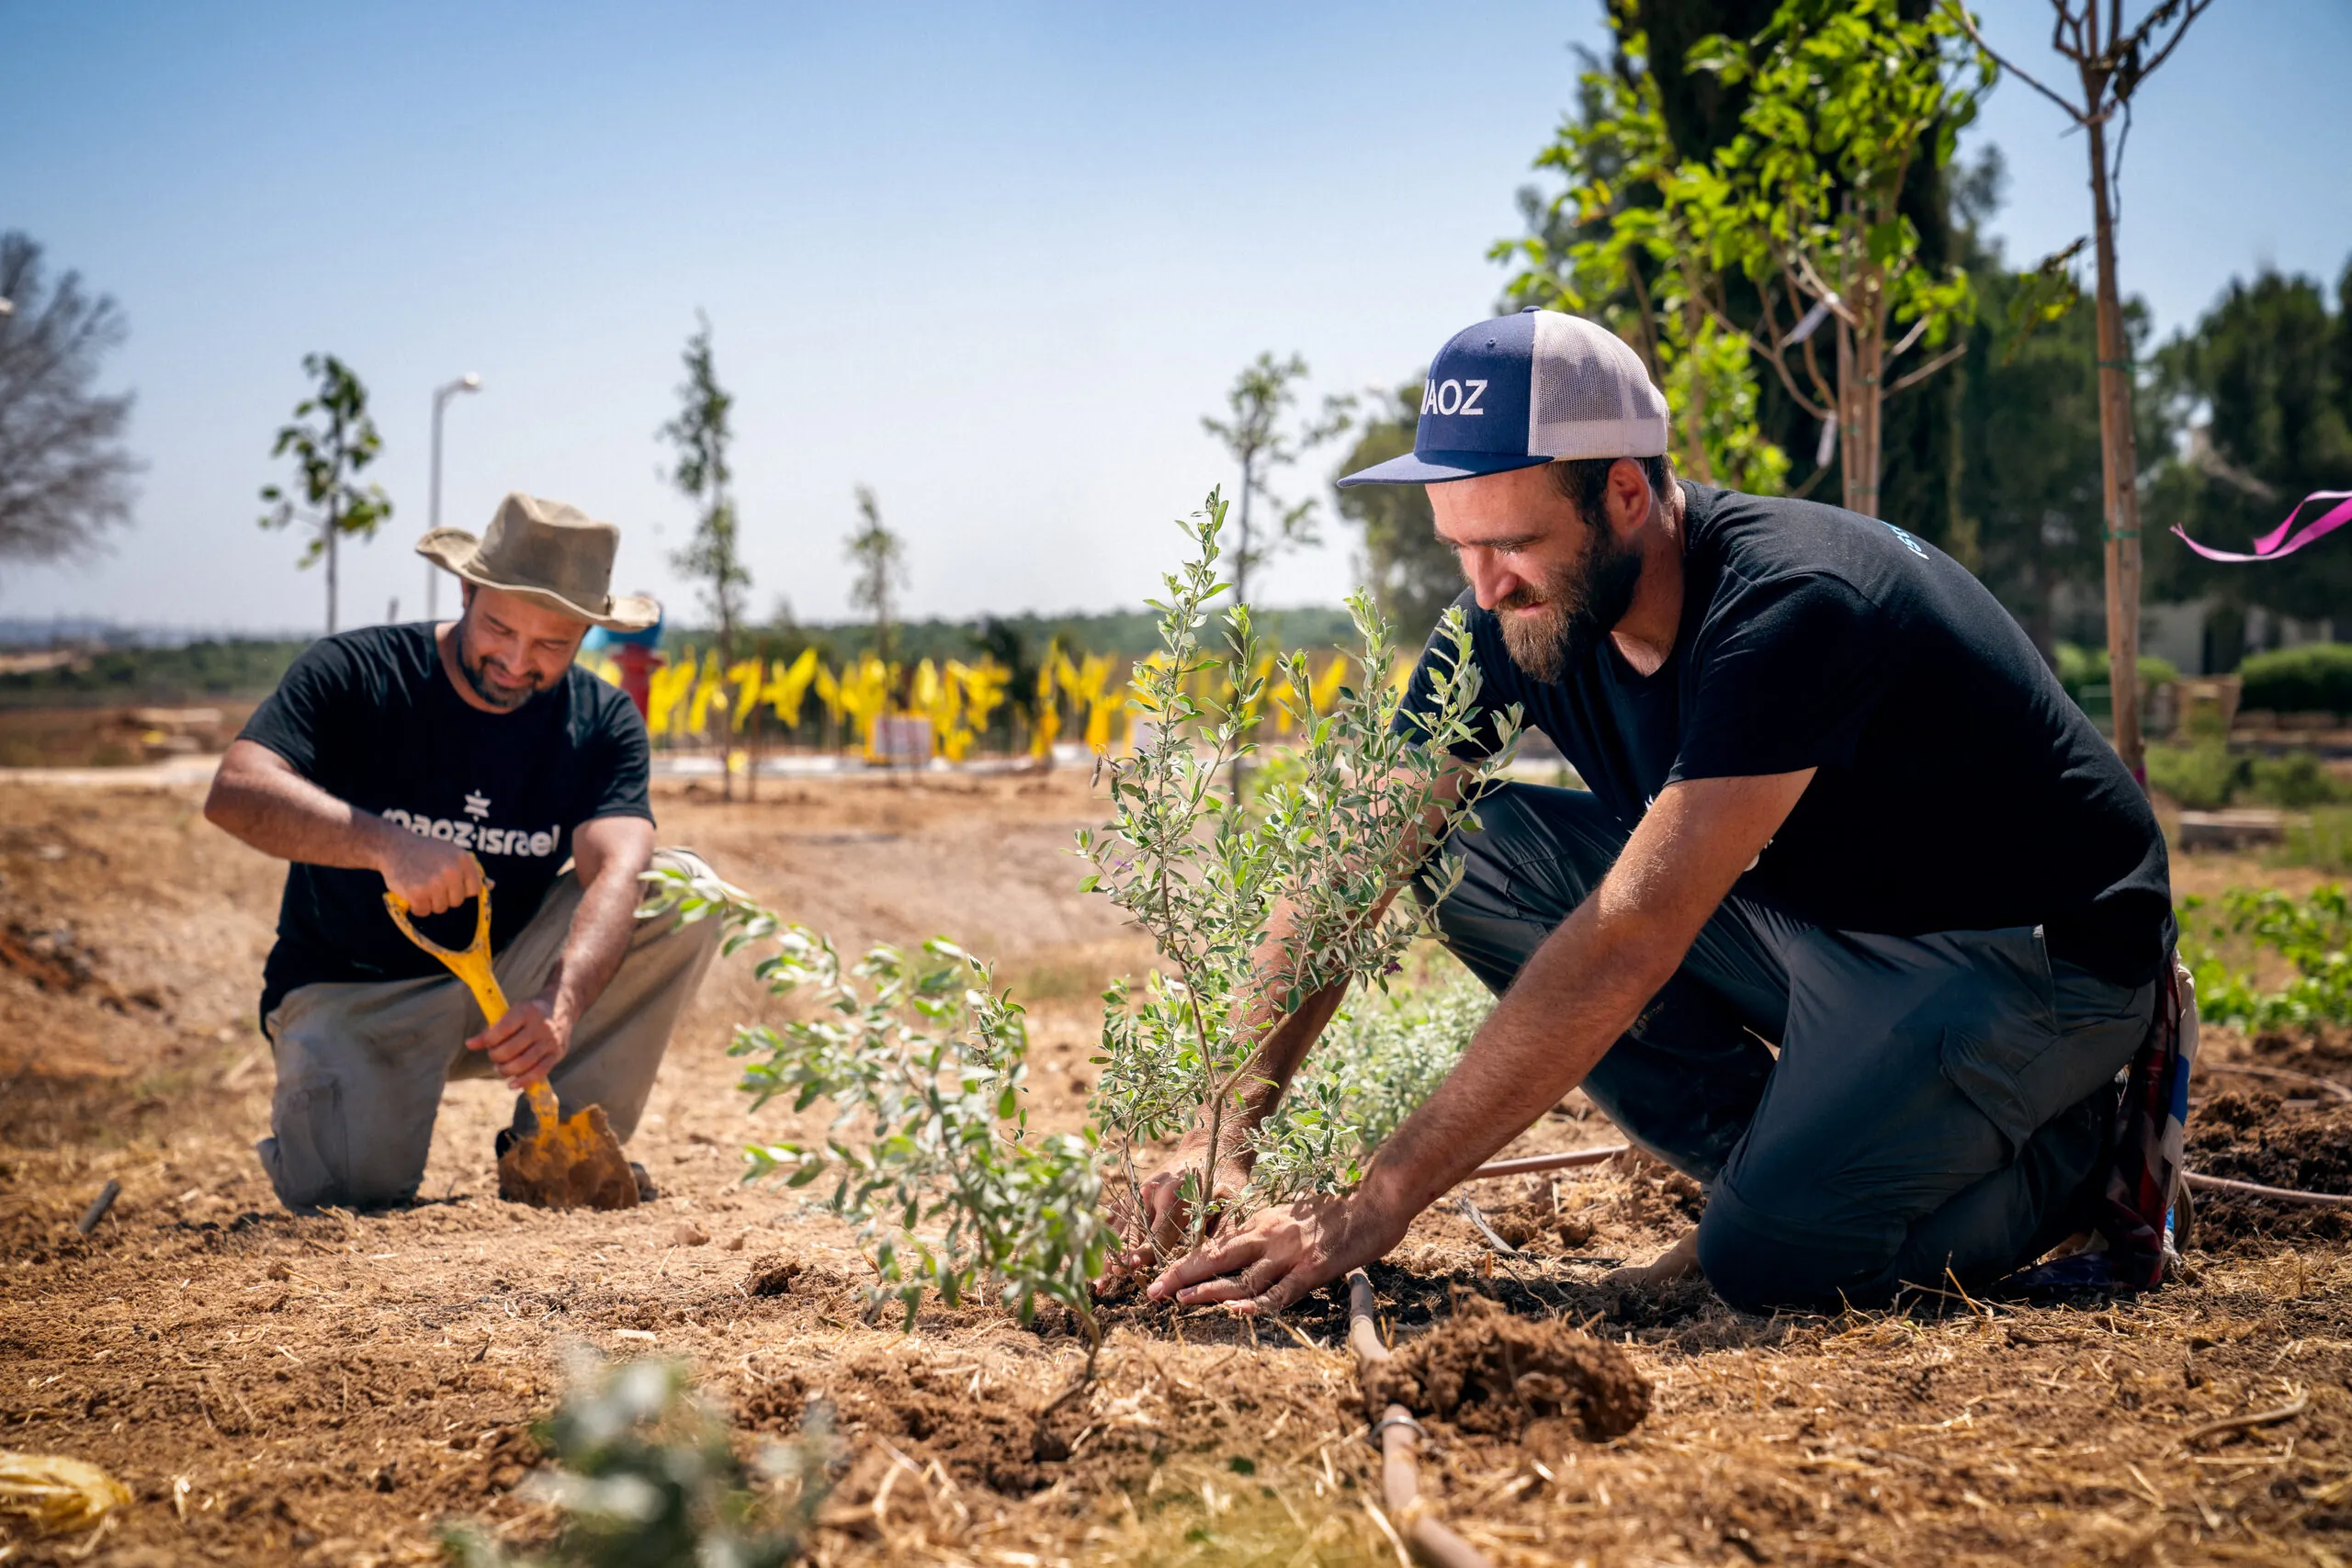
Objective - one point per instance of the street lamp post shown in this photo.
(469, 382)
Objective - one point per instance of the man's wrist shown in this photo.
(1393, 1186)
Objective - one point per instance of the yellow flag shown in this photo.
(789, 684)
(665, 691)
(745, 673)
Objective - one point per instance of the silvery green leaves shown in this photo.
(644, 1473)
(919, 1053)
(1331, 841)
(1374, 1066)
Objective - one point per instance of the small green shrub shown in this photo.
(2298, 781)
(2313, 934)
(2202, 777)
(2080, 667)
(1372, 1068)
(2324, 843)
(645, 1477)
(930, 1060)
(2314, 678)
(2207, 775)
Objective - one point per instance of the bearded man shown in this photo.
(433, 760)
(1856, 921)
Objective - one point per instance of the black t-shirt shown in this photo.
(371, 717)
(1959, 788)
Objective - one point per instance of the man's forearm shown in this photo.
(1579, 991)
(602, 928)
(281, 813)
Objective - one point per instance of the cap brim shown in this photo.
(1437, 467)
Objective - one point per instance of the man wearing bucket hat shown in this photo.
(1856, 921)
(417, 759)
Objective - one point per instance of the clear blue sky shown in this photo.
(994, 261)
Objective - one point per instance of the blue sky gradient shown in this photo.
(995, 262)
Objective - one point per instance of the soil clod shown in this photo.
(1490, 1372)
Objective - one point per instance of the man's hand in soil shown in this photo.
(1156, 1227)
(1283, 1253)
(430, 875)
(527, 1042)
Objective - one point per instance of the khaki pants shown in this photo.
(361, 1066)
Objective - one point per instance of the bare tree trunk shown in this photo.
(1695, 406)
(1242, 554)
(332, 518)
(2121, 464)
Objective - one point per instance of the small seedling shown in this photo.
(948, 1185)
(645, 1477)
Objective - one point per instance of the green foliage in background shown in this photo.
(2080, 668)
(2207, 775)
(1259, 435)
(160, 676)
(1617, 245)
(645, 1476)
(701, 433)
(2324, 843)
(1843, 102)
(1373, 1067)
(2269, 373)
(927, 1060)
(1205, 880)
(2313, 678)
(2312, 934)
(328, 456)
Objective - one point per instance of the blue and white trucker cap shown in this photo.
(1514, 391)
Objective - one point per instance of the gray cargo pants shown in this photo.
(361, 1066)
(1938, 1103)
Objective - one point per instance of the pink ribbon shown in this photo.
(2276, 543)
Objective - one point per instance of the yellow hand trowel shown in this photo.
(573, 1164)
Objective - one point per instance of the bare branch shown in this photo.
(2138, 36)
(1929, 368)
(1968, 24)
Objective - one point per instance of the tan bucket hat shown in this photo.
(549, 553)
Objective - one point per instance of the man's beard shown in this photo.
(1574, 608)
(499, 695)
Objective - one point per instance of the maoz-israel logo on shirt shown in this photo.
(478, 836)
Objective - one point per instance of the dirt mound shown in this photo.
(2254, 1135)
(2321, 1048)
(1490, 1372)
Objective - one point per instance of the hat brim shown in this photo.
(459, 552)
(1437, 467)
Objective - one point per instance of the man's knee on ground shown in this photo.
(305, 1186)
(1760, 1272)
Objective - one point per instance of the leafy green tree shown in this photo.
(65, 476)
(1616, 246)
(328, 457)
(1258, 438)
(880, 559)
(1844, 99)
(1413, 575)
(2264, 367)
(702, 433)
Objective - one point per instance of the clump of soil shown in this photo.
(1488, 1371)
(2254, 1135)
